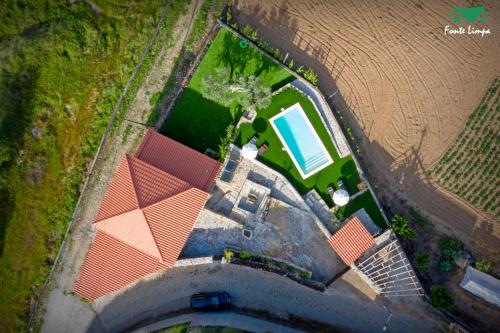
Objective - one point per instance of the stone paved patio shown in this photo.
(289, 230)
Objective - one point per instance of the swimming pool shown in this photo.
(301, 141)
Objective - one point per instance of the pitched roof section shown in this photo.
(159, 193)
(132, 229)
(152, 184)
(172, 220)
(111, 265)
(351, 241)
(120, 196)
(178, 160)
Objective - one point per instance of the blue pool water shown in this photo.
(301, 141)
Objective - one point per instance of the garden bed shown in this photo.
(273, 265)
(365, 201)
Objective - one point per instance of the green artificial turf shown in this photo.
(278, 159)
(367, 202)
(201, 123)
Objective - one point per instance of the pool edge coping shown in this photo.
(283, 141)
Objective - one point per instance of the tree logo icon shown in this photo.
(471, 14)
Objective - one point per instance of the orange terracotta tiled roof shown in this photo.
(351, 241)
(189, 165)
(144, 220)
(111, 265)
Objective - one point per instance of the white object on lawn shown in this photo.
(340, 197)
(249, 151)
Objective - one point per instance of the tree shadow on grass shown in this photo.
(350, 176)
(282, 83)
(233, 56)
(197, 122)
(259, 125)
(17, 109)
(239, 59)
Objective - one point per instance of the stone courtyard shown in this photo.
(274, 217)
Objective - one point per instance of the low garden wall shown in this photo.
(273, 265)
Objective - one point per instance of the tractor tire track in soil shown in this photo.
(405, 88)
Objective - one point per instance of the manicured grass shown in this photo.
(367, 202)
(280, 160)
(201, 123)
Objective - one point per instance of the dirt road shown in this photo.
(405, 87)
(60, 302)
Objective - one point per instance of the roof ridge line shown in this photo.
(164, 200)
(94, 221)
(160, 170)
(134, 181)
(147, 136)
(152, 235)
(191, 187)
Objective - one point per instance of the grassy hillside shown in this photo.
(62, 68)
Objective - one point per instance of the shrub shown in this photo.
(304, 275)
(300, 70)
(483, 265)
(224, 142)
(422, 262)
(401, 226)
(446, 265)
(311, 76)
(291, 64)
(278, 55)
(441, 298)
(449, 247)
(228, 254)
(417, 217)
(244, 255)
(340, 213)
(250, 33)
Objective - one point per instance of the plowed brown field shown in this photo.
(406, 88)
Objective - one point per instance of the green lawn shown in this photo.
(367, 202)
(201, 123)
(280, 160)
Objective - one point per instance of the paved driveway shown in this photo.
(254, 289)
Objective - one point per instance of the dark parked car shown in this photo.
(210, 301)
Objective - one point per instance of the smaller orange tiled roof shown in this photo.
(351, 241)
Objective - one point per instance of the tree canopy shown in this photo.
(248, 90)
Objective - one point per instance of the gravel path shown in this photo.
(59, 301)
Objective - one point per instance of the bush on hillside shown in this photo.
(483, 265)
(422, 261)
(401, 227)
(441, 298)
